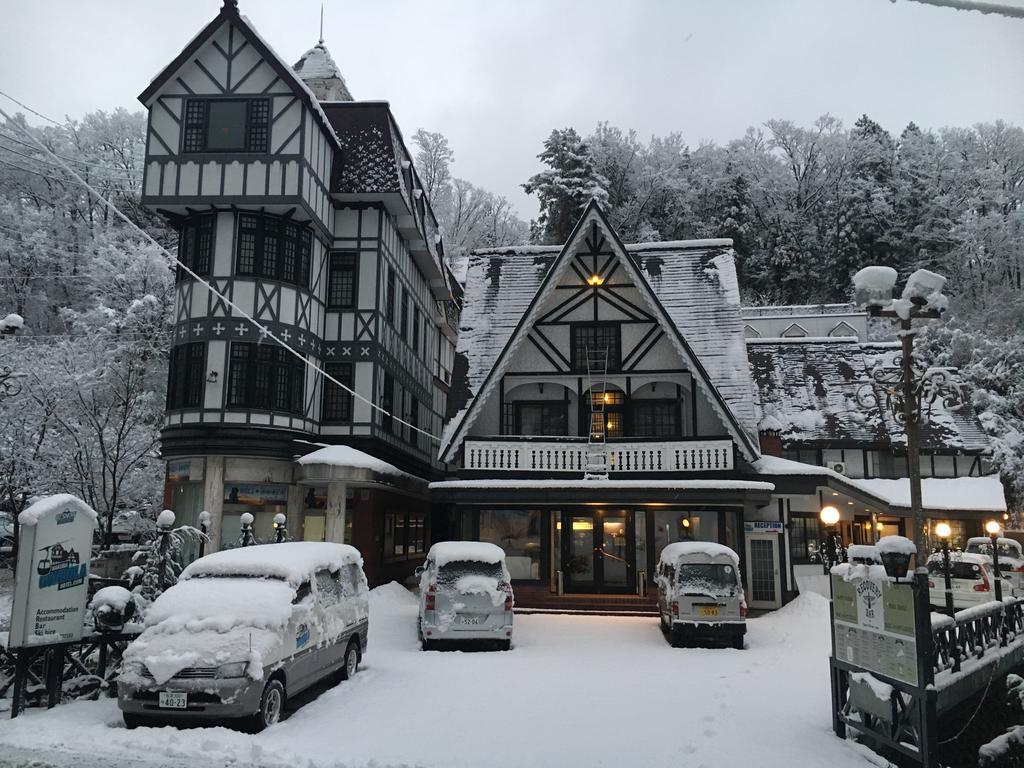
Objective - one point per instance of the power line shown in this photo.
(37, 114)
(110, 174)
(103, 166)
(264, 331)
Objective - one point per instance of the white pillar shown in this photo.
(335, 512)
(295, 510)
(213, 499)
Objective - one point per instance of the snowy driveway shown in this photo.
(575, 691)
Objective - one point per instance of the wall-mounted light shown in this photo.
(540, 386)
(595, 280)
(211, 377)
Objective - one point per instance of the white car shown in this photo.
(971, 580)
(465, 595)
(1011, 558)
(244, 629)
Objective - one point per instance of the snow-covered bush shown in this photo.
(160, 557)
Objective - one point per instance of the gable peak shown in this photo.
(316, 68)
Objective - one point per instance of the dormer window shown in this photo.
(594, 343)
(227, 125)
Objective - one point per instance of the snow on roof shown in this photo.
(693, 280)
(220, 604)
(983, 494)
(57, 502)
(293, 561)
(822, 390)
(776, 465)
(961, 557)
(801, 310)
(347, 456)
(673, 552)
(985, 540)
(898, 544)
(12, 321)
(445, 552)
(867, 552)
(317, 64)
(593, 485)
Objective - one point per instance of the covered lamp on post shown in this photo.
(830, 520)
(204, 528)
(943, 531)
(993, 529)
(280, 528)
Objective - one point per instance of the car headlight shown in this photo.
(233, 669)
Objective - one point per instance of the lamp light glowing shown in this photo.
(993, 528)
(595, 280)
(943, 531)
(829, 515)
(686, 522)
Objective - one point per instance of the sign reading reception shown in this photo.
(51, 580)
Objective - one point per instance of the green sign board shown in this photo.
(874, 626)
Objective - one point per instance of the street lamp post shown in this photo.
(829, 519)
(993, 529)
(280, 528)
(909, 392)
(943, 531)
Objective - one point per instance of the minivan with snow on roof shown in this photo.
(465, 595)
(700, 595)
(244, 629)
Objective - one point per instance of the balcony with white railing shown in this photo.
(548, 454)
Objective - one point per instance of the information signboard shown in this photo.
(874, 626)
(51, 581)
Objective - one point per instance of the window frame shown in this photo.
(262, 376)
(343, 263)
(186, 376)
(282, 232)
(578, 363)
(345, 373)
(389, 296)
(196, 238)
(196, 125)
(544, 405)
(638, 405)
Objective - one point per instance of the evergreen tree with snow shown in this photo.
(565, 188)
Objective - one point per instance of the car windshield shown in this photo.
(707, 579)
(450, 573)
(958, 570)
(985, 548)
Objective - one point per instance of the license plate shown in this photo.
(469, 619)
(170, 700)
(707, 610)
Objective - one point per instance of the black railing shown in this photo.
(975, 632)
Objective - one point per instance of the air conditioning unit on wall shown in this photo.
(838, 466)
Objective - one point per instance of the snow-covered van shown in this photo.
(700, 595)
(1011, 558)
(971, 578)
(465, 595)
(244, 629)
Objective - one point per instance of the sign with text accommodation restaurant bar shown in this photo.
(874, 626)
(51, 580)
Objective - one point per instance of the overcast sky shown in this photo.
(497, 77)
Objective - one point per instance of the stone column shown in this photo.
(213, 499)
(295, 510)
(335, 512)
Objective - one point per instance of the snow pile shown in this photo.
(221, 604)
(671, 554)
(165, 519)
(391, 595)
(11, 323)
(770, 424)
(110, 599)
(875, 279)
(896, 544)
(293, 561)
(347, 456)
(54, 503)
(478, 584)
(445, 552)
(859, 571)
(867, 553)
(882, 691)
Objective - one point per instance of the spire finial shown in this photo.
(321, 22)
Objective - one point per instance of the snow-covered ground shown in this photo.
(574, 691)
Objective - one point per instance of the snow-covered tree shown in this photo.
(161, 556)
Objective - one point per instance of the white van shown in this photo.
(465, 595)
(244, 629)
(700, 594)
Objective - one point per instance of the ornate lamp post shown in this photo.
(909, 391)
(993, 529)
(204, 527)
(246, 538)
(830, 520)
(943, 531)
(280, 528)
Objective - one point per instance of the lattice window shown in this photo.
(598, 338)
(248, 230)
(337, 402)
(341, 283)
(258, 125)
(195, 126)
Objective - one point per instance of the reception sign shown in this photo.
(51, 580)
(256, 494)
(874, 626)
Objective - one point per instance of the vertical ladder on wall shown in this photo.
(597, 382)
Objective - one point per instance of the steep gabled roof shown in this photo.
(317, 64)
(229, 14)
(692, 289)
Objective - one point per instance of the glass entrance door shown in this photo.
(599, 552)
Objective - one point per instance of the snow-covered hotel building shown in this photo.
(302, 208)
(603, 399)
(698, 419)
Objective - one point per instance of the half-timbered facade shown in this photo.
(305, 237)
(610, 399)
